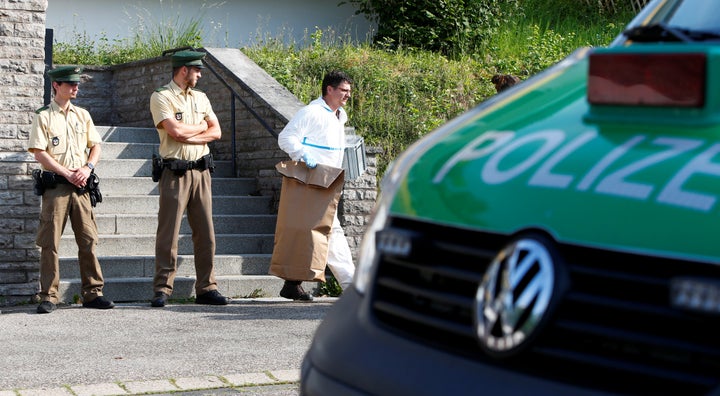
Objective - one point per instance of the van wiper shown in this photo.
(660, 32)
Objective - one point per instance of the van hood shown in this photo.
(537, 158)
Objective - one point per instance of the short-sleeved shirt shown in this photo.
(64, 136)
(190, 106)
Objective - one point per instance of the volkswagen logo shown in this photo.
(514, 296)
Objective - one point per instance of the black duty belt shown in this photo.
(174, 164)
(61, 180)
(179, 167)
(48, 180)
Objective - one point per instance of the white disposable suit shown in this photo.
(319, 132)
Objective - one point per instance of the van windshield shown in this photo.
(675, 21)
(695, 15)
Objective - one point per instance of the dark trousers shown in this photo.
(192, 192)
(59, 204)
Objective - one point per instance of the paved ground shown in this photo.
(250, 347)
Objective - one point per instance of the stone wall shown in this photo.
(22, 65)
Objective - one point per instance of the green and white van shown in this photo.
(562, 238)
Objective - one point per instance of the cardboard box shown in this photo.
(308, 202)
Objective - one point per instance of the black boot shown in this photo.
(293, 291)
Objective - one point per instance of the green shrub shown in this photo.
(329, 288)
(451, 27)
(85, 51)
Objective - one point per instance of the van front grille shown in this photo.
(614, 329)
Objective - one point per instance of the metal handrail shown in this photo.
(233, 95)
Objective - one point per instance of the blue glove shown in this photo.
(309, 161)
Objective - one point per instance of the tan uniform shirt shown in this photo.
(191, 107)
(64, 136)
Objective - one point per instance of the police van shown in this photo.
(561, 238)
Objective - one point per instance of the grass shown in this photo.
(330, 288)
(399, 95)
(257, 293)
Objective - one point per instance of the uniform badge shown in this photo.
(55, 141)
(178, 116)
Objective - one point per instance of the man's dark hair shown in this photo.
(333, 79)
(61, 83)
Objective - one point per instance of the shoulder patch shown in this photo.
(162, 89)
(42, 109)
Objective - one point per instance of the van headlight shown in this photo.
(368, 252)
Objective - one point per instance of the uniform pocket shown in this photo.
(81, 135)
(45, 235)
(57, 144)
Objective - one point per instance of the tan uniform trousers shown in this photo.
(58, 204)
(192, 191)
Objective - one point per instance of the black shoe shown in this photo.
(159, 300)
(99, 302)
(213, 297)
(294, 291)
(45, 307)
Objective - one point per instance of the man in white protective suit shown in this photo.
(316, 135)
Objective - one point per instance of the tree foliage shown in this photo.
(450, 27)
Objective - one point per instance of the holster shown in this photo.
(38, 187)
(206, 162)
(157, 168)
(92, 187)
(48, 179)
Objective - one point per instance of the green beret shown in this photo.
(188, 58)
(65, 74)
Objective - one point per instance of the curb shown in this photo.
(237, 380)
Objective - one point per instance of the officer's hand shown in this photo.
(309, 161)
(78, 177)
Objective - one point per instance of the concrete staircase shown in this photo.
(127, 222)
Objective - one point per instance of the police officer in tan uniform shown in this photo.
(59, 137)
(186, 123)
